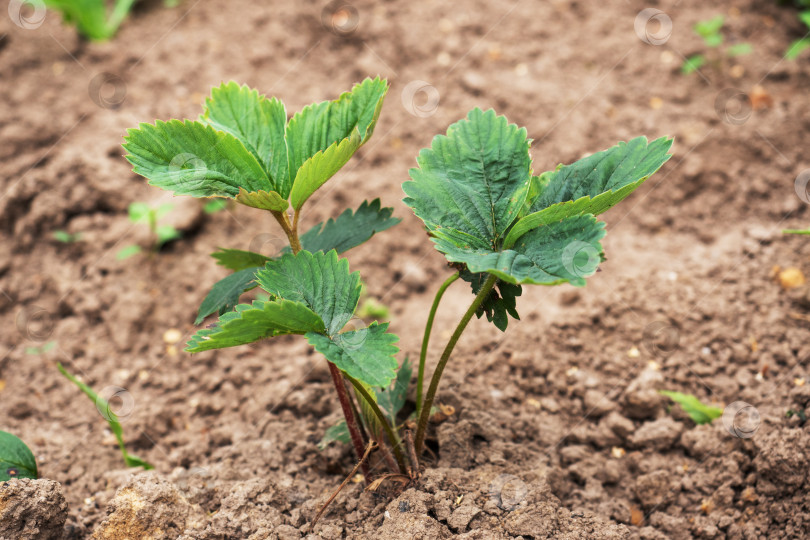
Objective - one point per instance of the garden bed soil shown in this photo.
(557, 430)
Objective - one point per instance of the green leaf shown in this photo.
(560, 252)
(107, 413)
(263, 200)
(804, 16)
(215, 205)
(236, 259)
(693, 63)
(65, 237)
(350, 229)
(321, 167)
(192, 158)
(500, 303)
(163, 210)
(16, 459)
(740, 49)
(475, 179)
(337, 433)
(392, 399)
(166, 233)
(592, 185)
(366, 354)
(225, 293)
(699, 412)
(319, 126)
(252, 322)
(709, 29)
(796, 231)
(320, 281)
(713, 40)
(139, 212)
(797, 47)
(259, 123)
(127, 252)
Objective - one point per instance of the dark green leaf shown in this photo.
(16, 459)
(236, 259)
(225, 293)
(319, 280)
(350, 229)
(259, 123)
(366, 354)
(192, 158)
(252, 322)
(697, 411)
(391, 400)
(499, 304)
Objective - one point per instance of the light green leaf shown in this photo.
(225, 293)
(319, 126)
(350, 229)
(560, 252)
(252, 322)
(797, 47)
(320, 281)
(321, 167)
(337, 433)
(16, 459)
(138, 212)
(215, 205)
(127, 252)
(593, 184)
(709, 29)
(366, 354)
(693, 63)
(263, 200)
(475, 179)
(740, 49)
(166, 233)
(236, 259)
(259, 123)
(192, 158)
(699, 412)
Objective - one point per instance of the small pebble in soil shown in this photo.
(790, 278)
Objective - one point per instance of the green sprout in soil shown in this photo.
(41, 349)
(499, 225)
(796, 231)
(65, 237)
(16, 459)
(140, 212)
(106, 411)
(93, 18)
(215, 205)
(802, 44)
(698, 411)
(710, 31)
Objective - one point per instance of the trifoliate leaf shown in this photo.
(699, 412)
(225, 293)
(16, 459)
(236, 259)
(192, 158)
(350, 229)
(475, 179)
(392, 399)
(319, 280)
(592, 185)
(319, 126)
(259, 123)
(321, 167)
(500, 303)
(263, 200)
(366, 354)
(252, 322)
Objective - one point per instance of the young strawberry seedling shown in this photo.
(92, 18)
(699, 412)
(105, 409)
(16, 459)
(140, 212)
(499, 225)
(710, 31)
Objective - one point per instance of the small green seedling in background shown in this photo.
(801, 414)
(371, 308)
(105, 409)
(499, 225)
(699, 412)
(93, 18)
(16, 459)
(796, 231)
(802, 44)
(709, 30)
(42, 349)
(215, 205)
(140, 212)
(66, 238)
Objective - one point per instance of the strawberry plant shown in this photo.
(16, 459)
(710, 32)
(499, 225)
(93, 18)
(699, 412)
(140, 212)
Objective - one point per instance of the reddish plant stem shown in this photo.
(351, 421)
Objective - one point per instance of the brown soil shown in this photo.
(558, 430)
